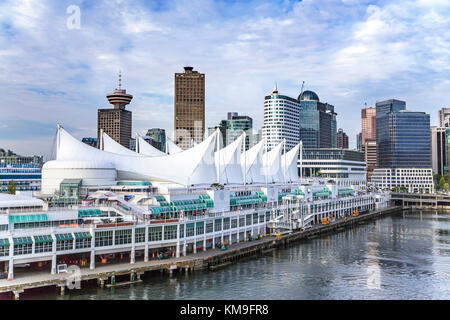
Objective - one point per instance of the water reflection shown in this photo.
(406, 256)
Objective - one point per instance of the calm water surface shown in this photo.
(404, 256)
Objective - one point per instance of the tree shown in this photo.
(441, 183)
(446, 186)
(12, 187)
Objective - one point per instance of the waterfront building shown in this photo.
(116, 122)
(342, 139)
(403, 146)
(368, 124)
(189, 107)
(439, 155)
(26, 176)
(444, 118)
(90, 141)
(317, 122)
(158, 138)
(342, 166)
(97, 206)
(281, 120)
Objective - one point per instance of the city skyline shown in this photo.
(51, 81)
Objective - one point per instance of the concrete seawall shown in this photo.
(211, 259)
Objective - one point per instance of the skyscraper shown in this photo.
(444, 118)
(159, 138)
(370, 156)
(116, 122)
(189, 101)
(403, 148)
(368, 122)
(317, 122)
(359, 146)
(439, 156)
(234, 126)
(342, 139)
(281, 120)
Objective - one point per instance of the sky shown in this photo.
(350, 52)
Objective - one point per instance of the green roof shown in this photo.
(28, 218)
(44, 238)
(82, 235)
(4, 243)
(64, 236)
(89, 213)
(22, 240)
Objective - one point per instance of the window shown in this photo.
(170, 232)
(234, 223)
(139, 235)
(248, 219)
(64, 245)
(82, 243)
(123, 236)
(200, 228)
(209, 227)
(255, 218)
(189, 230)
(4, 250)
(241, 221)
(103, 238)
(23, 249)
(218, 225)
(155, 233)
(43, 247)
(226, 223)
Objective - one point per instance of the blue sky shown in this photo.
(349, 52)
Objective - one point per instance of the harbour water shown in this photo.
(402, 256)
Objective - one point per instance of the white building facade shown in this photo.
(281, 120)
(416, 180)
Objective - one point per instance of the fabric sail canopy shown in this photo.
(193, 166)
(145, 148)
(228, 162)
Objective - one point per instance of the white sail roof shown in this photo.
(171, 147)
(190, 167)
(111, 145)
(228, 162)
(145, 148)
(251, 163)
(289, 164)
(272, 164)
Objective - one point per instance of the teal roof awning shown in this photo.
(64, 237)
(44, 238)
(22, 240)
(28, 218)
(4, 243)
(83, 235)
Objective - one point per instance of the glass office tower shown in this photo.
(317, 122)
(403, 140)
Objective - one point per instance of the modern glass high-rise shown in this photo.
(403, 138)
(444, 118)
(189, 115)
(159, 136)
(234, 126)
(317, 122)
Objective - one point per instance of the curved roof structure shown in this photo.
(146, 149)
(190, 167)
(308, 95)
(289, 164)
(251, 164)
(228, 163)
(171, 147)
(272, 164)
(111, 145)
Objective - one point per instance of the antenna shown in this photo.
(120, 79)
(301, 91)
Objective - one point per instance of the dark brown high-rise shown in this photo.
(116, 122)
(189, 113)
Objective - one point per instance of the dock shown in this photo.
(211, 259)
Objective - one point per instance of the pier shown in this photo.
(211, 259)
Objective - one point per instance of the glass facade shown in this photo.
(403, 140)
(317, 124)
